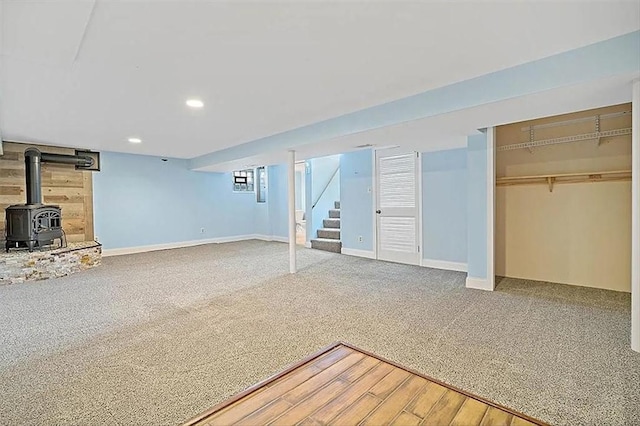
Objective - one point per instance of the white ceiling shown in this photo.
(93, 73)
(450, 131)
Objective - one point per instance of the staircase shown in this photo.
(329, 236)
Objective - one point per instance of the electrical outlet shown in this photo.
(202, 230)
(360, 239)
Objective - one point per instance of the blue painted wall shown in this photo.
(444, 205)
(300, 193)
(325, 189)
(168, 203)
(141, 200)
(356, 201)
(277, 201)
(308, 210)
(477, 206)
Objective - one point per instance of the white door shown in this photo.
(397, 220)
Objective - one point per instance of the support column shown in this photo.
(292, 211)
(480, 213)
(635, 218)
(491, 205)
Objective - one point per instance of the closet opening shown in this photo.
(563, 199)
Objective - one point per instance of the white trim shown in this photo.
(291, 206)
(444, 264)
(263, 237)
(307, 244)
(479, 284)
(168, 246)
(419, 201)
(374, 199)
(192, 243)
(635, 215)
(491, 200)
(369, 254)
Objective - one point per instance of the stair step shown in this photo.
(334, 213)
(334, 246)
(329, 233)
(331, 223)
(336, 204)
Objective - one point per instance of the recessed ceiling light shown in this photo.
(195, 103)
(135, 140)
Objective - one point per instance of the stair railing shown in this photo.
(335, 172)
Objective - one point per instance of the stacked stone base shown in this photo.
(19, 266)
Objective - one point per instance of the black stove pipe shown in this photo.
(32, 163)
(32, 159)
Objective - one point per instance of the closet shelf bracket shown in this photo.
(550, 182)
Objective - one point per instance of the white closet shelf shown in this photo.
(566, 139)
(552, 179)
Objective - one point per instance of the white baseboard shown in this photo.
(307, 244)
(443, 264)
(369, 254)
(479, 283)
(269, 238)
(181, 244)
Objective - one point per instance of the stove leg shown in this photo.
(30, 245)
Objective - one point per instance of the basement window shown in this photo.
(243, 180)
(261, 189)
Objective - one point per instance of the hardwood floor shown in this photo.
(343, 385)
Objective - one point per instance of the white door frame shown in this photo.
(635, 216)
(374, 193)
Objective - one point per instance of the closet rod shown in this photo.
(552, 179)
(575, 121)
(566, 139)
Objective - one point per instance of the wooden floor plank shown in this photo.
(396, 402)
(496, 417)
(256, 400)
(426, 399)
(355, 372)
(387, 385)
(312, 403)
(306, 388)
(344, 385)
(332, 357)
(406, 419)
(519, 421)
(352, 394)
(265, 414)
(309, 422)
(471, 413)
(445, 409)
(357, 411)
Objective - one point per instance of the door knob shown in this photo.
(378, 211)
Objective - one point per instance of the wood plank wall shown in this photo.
(62, 185)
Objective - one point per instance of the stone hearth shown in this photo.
(20, 266)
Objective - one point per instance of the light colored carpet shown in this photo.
(156, 338)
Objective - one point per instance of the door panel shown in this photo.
(397, 206)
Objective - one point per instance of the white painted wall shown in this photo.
(578, 234)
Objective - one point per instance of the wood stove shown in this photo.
(33, 225)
